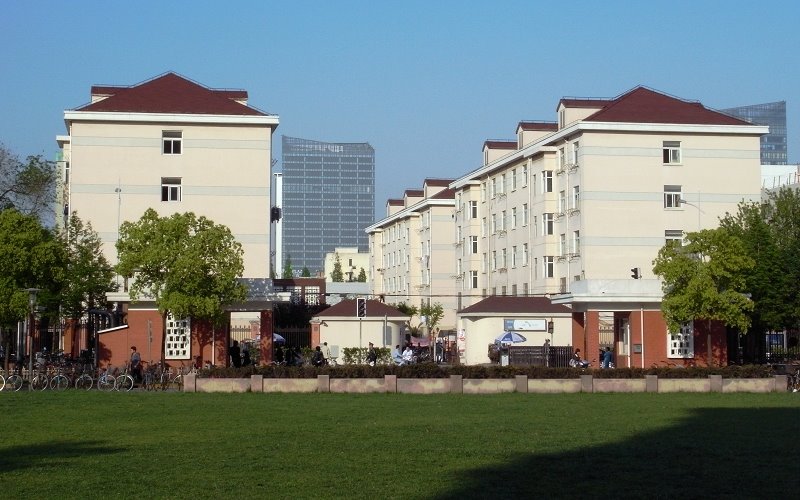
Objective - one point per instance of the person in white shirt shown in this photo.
(407, 354)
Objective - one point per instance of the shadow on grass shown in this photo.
(715, 453)
(50, 454)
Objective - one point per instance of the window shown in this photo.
(473, 279)
(672, 196)
(525, 214)
(681, 344)
(562, 245)
(473, 244)
(493, 187)
(672, 152)
(503, 221)
(503, 290)
(503, 184)
(170, 189)
(503, 258)
(484, 263)
(473, 209)
(535, 226)
(575, 147)
(514, 256)
(171, 140)
(549, 268)
(536, 268)
(483, 227)
(483, 191)
(458, 267)
(514, 290)
(178, 341)
(562, 158)
(524, 254)
(514, 218)
(494, 223)
(576, 197)
(525, 175)
(513, 179)
(562, 201)
(576, 242)
(547, 223)
(494, 260)
(525, 289)
(547, 181)
(674, 236)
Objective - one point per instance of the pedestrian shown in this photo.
(372, 355)
(608, 358)
(136, 363)
(546, 352)
(235, 354)
(326, 353)
(245, 356)
(317, 359)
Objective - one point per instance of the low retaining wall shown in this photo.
(457, 385)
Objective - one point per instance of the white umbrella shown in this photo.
(510, 338)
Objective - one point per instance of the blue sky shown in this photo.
(424, 82)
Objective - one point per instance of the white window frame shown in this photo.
(547, 181)
(473, 244)
(576, 197)
(671, 153)
(548, 224)
(171, 189)
(171, 142)
(513, 217)
(672, 197)
(525, 254)
(680, 345)
(549, 266)
(473, 278)
(178, 338)
(673, 235)
(473, 209)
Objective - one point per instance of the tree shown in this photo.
(305, 273)
(362, 276)
(336, 275)
(287, 268)
(411, 311)
(704, 279)
(187, 264)
(433, 314)
(27, 186)
(31, 257)
(88, 274)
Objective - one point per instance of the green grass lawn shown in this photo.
(162, 445)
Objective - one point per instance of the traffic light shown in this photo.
(361, 307)
(636, 273)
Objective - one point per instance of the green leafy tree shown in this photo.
(27, 186)
(88, 274)
(287, 268)
(32, 257)
(336, 275)
(433, 314)
(187, 264)
(305, 273)
(704, 279)
(362, 276)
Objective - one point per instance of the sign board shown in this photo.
(525, 325)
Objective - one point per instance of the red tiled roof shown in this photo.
(510, 305)
(438, 182)
(445, 194)
(538, 126)
(579, 102)
(375, 309)
(170, 93)
(643, 105)
(414, 192)
(395, 202)
(494, 144)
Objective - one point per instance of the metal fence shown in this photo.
(558, 356)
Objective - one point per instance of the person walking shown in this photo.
(235, 354)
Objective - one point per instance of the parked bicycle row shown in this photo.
(109, 379)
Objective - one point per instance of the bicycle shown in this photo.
(106, 381)
(793, 381)
(124, 382)
(40, 381)
(2, 380)
(60, 381)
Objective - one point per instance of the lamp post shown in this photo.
(32, 293)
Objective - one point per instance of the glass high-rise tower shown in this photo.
(328, 199)
(773, 145)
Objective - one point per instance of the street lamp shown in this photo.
(32, 293)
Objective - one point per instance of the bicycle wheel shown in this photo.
(106, 383)
(59, 383)
(177, 383)
(124, 383)
(2, 382)
(39, 382)
(84, 382)
(14, 383)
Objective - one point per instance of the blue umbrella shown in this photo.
(278, 339)
(510, 337)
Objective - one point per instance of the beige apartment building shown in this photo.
(572, 207)
(412, 250)
(173, 145)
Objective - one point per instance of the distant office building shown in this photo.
(328, 199)
(773, 114)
